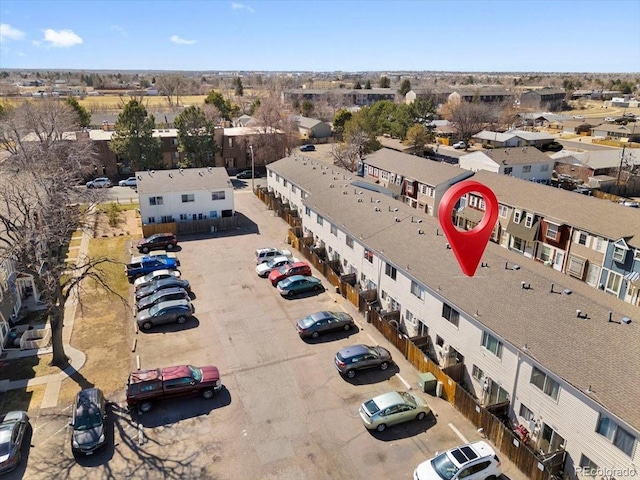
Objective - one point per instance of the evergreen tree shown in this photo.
(133, 138)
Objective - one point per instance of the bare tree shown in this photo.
(346, 155)
(471, 117)
(40, 207)
(172, 87)
(276, 131)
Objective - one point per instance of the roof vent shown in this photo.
(626, 320)
(397, 219)
(344, 192)
(359, 200)
(331, 185)
(567, 291)
(171, 175)
(377, 209)
(420, 232)
(516, 267)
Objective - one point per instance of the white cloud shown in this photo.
(240, 6)
(7, 32)
(181, 41)
(61, 38)
(119, 29)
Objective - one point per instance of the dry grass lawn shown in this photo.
(104, 324)
(27, 367)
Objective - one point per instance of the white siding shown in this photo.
(173, 206)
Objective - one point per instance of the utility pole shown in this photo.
(253, 169)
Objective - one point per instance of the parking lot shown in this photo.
(285, 412)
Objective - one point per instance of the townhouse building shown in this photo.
(528, 163)
(184, 195)
(556, 349)
(570, 232)
(347, 97)
(513, 138)
(419, 182)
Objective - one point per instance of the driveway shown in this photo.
(285, 412)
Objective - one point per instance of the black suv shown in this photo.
(158, 241)
(89, 413)
(358, 357)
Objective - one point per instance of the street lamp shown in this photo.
(253, 167)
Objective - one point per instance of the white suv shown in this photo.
(266, 254)
(101, 182)
(475, 461)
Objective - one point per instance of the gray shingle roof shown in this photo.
(591, 214)
(514, 156)
(182, 180)
(417, 168)
(583, 352)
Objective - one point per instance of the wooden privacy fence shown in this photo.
(206, 225)
(505, 440)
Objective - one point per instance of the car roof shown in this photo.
(299, 264)
(173, 303)
(179, 371)
(170, 291)
(318, 315)
(388, 399)
(88, 401)
(469, 452)
(145, 375)
(265, 250)
(280, 258)
(295, 278)
(354, 350)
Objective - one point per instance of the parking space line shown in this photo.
(457, 432)
(406, 384)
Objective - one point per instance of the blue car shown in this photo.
(290, 286)
(308, 148)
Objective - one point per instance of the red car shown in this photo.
(297, 268)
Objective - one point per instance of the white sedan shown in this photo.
(129, 182)
(264, 269)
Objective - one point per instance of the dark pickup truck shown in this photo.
(148, 386)
(149, 264)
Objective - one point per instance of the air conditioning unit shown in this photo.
(414, 321)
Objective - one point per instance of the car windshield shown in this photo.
(196, 373)
(283, 269)
(371, 407)
(444, 466)
(308, 321)
(87, 421)
(153, 310)
(5, 441)
(408, 398)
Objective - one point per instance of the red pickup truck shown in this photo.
(148, 386)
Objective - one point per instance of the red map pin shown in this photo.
(468, 246)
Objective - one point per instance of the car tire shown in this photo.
(381, 428)
(291, 293)
(347, 327)
(315, 335)
(146, 407)
(421, 416)
(170, 246)
(144, 249)
(351, 373)
(384, 366)
(207, 394)
(316, 288)
(147, 325)
(181, 319)
(491, 477)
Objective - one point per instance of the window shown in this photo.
(319, 220)
(217, 195)
(334, 230)
(151, 220)
(477, 373)
(174, 142)
(417, 290)
(368, 255)
(545, 383)
(307, 211)
(526, 413)
(473, 200)
(492, 344)
(439, 341)
(504, 211)
(636, 255)
(349, 241)
(613, 283)
(385, 175)
(508, 170)
(619, 253)
(175, 155)
(519, 244)
(598, 245)
(517, 216)
(552, 231)
(528, 220)
(183, 217)
(576, 267)
(587, 467)
(409, 316)
(431, 192)
(166, 219)
(582, 238)
(293, 189)
(423, 189)
(188, 198)
(450, 314)
(544, 168)
(390, 271)
(230, 142)
(526, 169)
(545, 254)
(284, 182)
(155, 200)
(213, 214)
(616, 434)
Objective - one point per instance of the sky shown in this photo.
(322, 36)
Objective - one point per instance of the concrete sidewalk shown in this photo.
(77, 358)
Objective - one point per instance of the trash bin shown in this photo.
(427, 382)
(439, 389)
